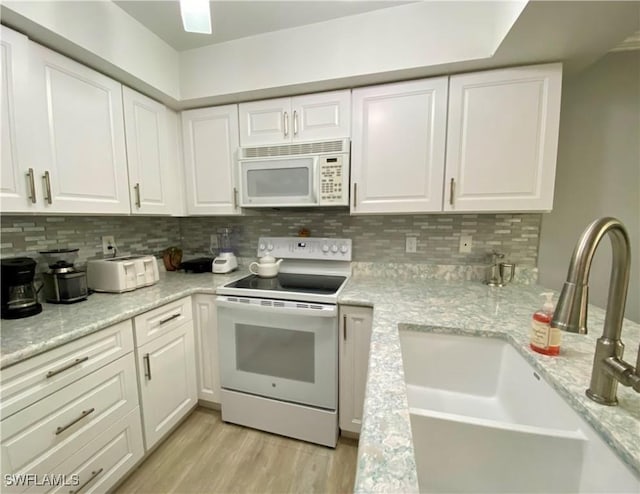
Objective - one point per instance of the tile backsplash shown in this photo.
(375, 238)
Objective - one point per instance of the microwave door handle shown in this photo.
(317, 181)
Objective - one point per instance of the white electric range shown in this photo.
(278, 340)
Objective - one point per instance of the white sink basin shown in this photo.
(484, 421)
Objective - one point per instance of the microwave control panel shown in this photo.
(334, 180)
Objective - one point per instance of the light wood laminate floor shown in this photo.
(206, 455)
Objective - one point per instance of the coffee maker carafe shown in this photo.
(19, 294)
(63, 283)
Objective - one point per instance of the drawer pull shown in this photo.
(84, 414)
(147, 366)
(94, 474)
(66, 367)
(344, 328)
(170, 318)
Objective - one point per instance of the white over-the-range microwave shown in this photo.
(294, 175)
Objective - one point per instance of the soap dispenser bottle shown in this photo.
(544, 338)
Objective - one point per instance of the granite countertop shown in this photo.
(385, 457)
(386, 460)
(60, 324)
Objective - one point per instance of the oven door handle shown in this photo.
(326, 311)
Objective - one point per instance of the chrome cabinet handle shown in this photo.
(32, 186)
(147, 366)
(85, 413)
(355, 195)
(170, 318)
(66, 367)
(286, 124)
(47, 186)
(136, 187)
(295, 123)
(452, 190)
(235, 198)
(94, 474)
(344, 328)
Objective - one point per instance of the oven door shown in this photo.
(279, 349)
(278, 182)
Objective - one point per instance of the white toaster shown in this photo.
(122, 274)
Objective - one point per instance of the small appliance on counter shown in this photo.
(19, 296)
(122, 274)
(63, 283)
(199, 265)
(225, 261)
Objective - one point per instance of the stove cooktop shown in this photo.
(291, 282)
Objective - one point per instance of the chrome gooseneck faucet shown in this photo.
(571, 310)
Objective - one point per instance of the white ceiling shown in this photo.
(242, 18)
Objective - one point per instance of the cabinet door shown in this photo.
(210, 138)
(502, 139)
(79, 136)
(147, 153)
(265, 122)
(321, 116)
(17, 183)
(167, 380)
(206, 331)
(355, 337)
(398, 143)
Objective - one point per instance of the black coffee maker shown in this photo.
(19, 294)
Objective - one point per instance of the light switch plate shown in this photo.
(465, 244)
(411, 245)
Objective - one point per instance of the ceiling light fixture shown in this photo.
(196, 16)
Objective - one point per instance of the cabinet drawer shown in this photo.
(156, 322)
(101, 463)
(42, 435)
(29, 381)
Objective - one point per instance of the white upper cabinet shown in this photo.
(398, 145)
(210, 140)
(502, 139)
(77, 136)
(17, 182)
(147, 154)
(312, 117)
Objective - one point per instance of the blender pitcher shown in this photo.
(226, 260)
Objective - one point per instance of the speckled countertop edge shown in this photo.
(386, 460)
(56, 325)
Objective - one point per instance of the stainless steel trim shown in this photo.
(136, 187)
(66, 367)
(295, 123)
(286, 124)
(47, 187)
(170, 318)
(32, 186)
(85, 413)
(452, 190)
(94, 474)
(147, 366)
(235, 198)
(355, 195)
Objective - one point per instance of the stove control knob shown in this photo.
(270, 247)
(262, 246)
(344, 249)
(325, 248)
(334, 248)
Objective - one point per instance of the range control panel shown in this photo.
(333, 180)
(335, 249)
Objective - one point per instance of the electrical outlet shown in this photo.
(465, 244)
(411, 245)
(108, 244)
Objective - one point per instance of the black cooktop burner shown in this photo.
(290, 282)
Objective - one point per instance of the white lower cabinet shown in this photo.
(38, 438)
(206, 332)
(166, 376)
(355, 337)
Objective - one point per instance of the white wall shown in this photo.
(598, 173)
(422, 34)
(101, 35)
